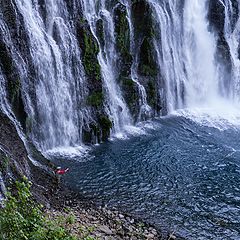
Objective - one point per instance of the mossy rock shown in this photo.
(89, 56)
(15, 98)
(95, 99)
(122, 33)
(142, 18)
(14, 88)
(100, 32)
(13, 83)
(147, 64)
(4, 162)
(90, 50)
(131, 95)
(153, 97)
(106, 125)
(128, 82)
(99, 131)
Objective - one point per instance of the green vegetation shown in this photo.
(122, 33)
(22, 218)
(128, 82)
(152, 94)
(131, 94)
(100, 31)
(4, 163)
(147, 65)
(14, 90)
(106, 125)
(147, 70)
(90, 52)
(95, 99)
(105, 122)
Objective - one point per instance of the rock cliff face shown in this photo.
(224, 21)
(79, 71)
(15, 162)
(23, 75)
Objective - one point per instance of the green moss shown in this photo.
(98, 131)
(147, 70)
(90, 50)
(4, 163)
(105, 122)
(100, 32)
(90, 62)
(95, 99)
(122, 33)
(147, 64)
(14, 90)
(152, 94)
(131, 94)
(142, 18)
(128, 82)
(105, 125)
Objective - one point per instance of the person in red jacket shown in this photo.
(58, 172)
(61, 171)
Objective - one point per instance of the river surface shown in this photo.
(182, 175)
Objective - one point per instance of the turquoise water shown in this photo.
(182, 176)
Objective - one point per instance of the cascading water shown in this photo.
(186, 53)
(168, 45)
(231, 33)
(53, 83)
(145, 109)
(107, 57)
(46, 61)
(56, 113)
(59, 82)
(199, 49)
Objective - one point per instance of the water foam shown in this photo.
(68, 152)
(220, 114)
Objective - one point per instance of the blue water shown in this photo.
(182, 176)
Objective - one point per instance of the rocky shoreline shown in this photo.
(60, 201)
(98, 222)
(102, 223)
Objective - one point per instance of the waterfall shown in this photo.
(145, 109)
(56, 112)
(115, 104)
(168, 44)
(186, 52)
(232, 33)
(199, 55)
(48, 67)
(60, 85)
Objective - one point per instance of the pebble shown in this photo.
(105, 229)
(150, 236)
(110, 225)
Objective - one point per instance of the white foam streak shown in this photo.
(68, 152)
(199, 51)
(220, 114)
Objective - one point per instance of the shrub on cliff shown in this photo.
(22, 218)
